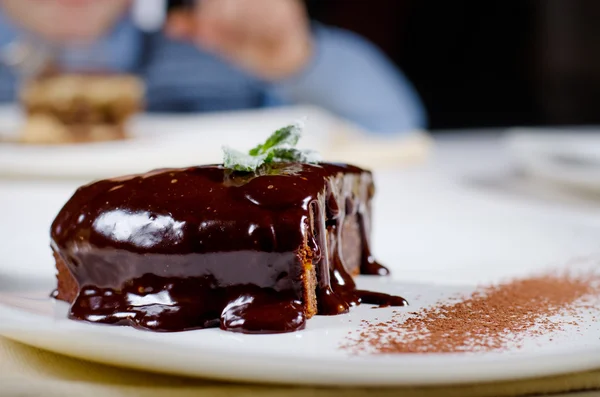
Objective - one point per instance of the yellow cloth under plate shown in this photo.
(26, 371)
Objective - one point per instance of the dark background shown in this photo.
(486, 63)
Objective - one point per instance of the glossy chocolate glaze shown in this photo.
(181, 249)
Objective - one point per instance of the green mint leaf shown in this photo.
(269, 157)
(289, 135)
(295, 155)
(239, 161)
(279, 147)
(286, 154)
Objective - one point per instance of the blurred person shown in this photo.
(225, 55)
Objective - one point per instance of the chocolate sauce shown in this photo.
(380, 299)
(200, 247)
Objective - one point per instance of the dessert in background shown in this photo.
(76, 108)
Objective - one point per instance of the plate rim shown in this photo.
(249, 367)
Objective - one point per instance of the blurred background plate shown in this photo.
(570, 158)
(174, 140)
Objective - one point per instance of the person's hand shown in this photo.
(269, 38)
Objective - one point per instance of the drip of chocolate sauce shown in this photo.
(202, 247)
(368, 264)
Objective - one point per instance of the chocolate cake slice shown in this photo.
(180, 249)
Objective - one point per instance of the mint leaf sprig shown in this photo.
(279, 147)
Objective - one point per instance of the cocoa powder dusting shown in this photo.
(489, 319)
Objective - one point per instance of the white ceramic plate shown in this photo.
(435, 240)
(175, 140)
(566, 157)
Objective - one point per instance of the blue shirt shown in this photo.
(347, 76)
